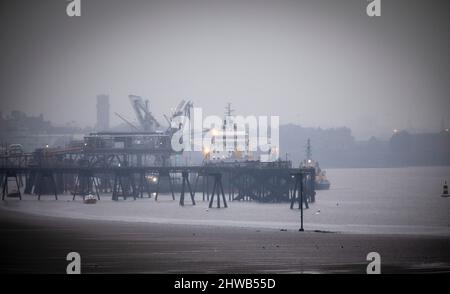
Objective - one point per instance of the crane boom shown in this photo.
(147, 121)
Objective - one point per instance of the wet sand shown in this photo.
(39, 244)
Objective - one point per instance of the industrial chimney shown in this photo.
(102, 112)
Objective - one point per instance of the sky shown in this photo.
(317, 63)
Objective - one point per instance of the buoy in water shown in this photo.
(445, 190)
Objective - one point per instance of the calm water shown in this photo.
(393, 200)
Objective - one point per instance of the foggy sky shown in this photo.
(315, 63)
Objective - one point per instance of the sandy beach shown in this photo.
(39, 244)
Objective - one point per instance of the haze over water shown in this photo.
(389, 200)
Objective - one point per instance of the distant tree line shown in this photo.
(338, 148)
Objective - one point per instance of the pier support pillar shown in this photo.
(86, 184)
(123, 186)
(298, 192)
(143, 186)
(160, 175)
(5, 186)
(217, 187)
(43, 180)
(185, 183)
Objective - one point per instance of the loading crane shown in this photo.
(183, 109)
(146, 120)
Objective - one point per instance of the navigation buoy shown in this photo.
(445, 190)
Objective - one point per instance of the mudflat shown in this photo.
(39, 244)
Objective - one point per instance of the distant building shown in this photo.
(31, 132)
(102, 113)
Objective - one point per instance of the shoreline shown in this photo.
(241, 215)
(238, 225)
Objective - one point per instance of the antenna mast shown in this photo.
(308, 150)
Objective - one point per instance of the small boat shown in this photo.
(321, 181)
(322, 184)
(90, 199)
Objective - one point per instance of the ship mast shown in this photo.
(228, 125)
(308, 150)
(228, 110)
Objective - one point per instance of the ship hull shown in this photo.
(322, 186)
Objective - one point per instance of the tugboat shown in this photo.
(321, 181)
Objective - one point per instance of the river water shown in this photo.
(373, 201)
(390, 200)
